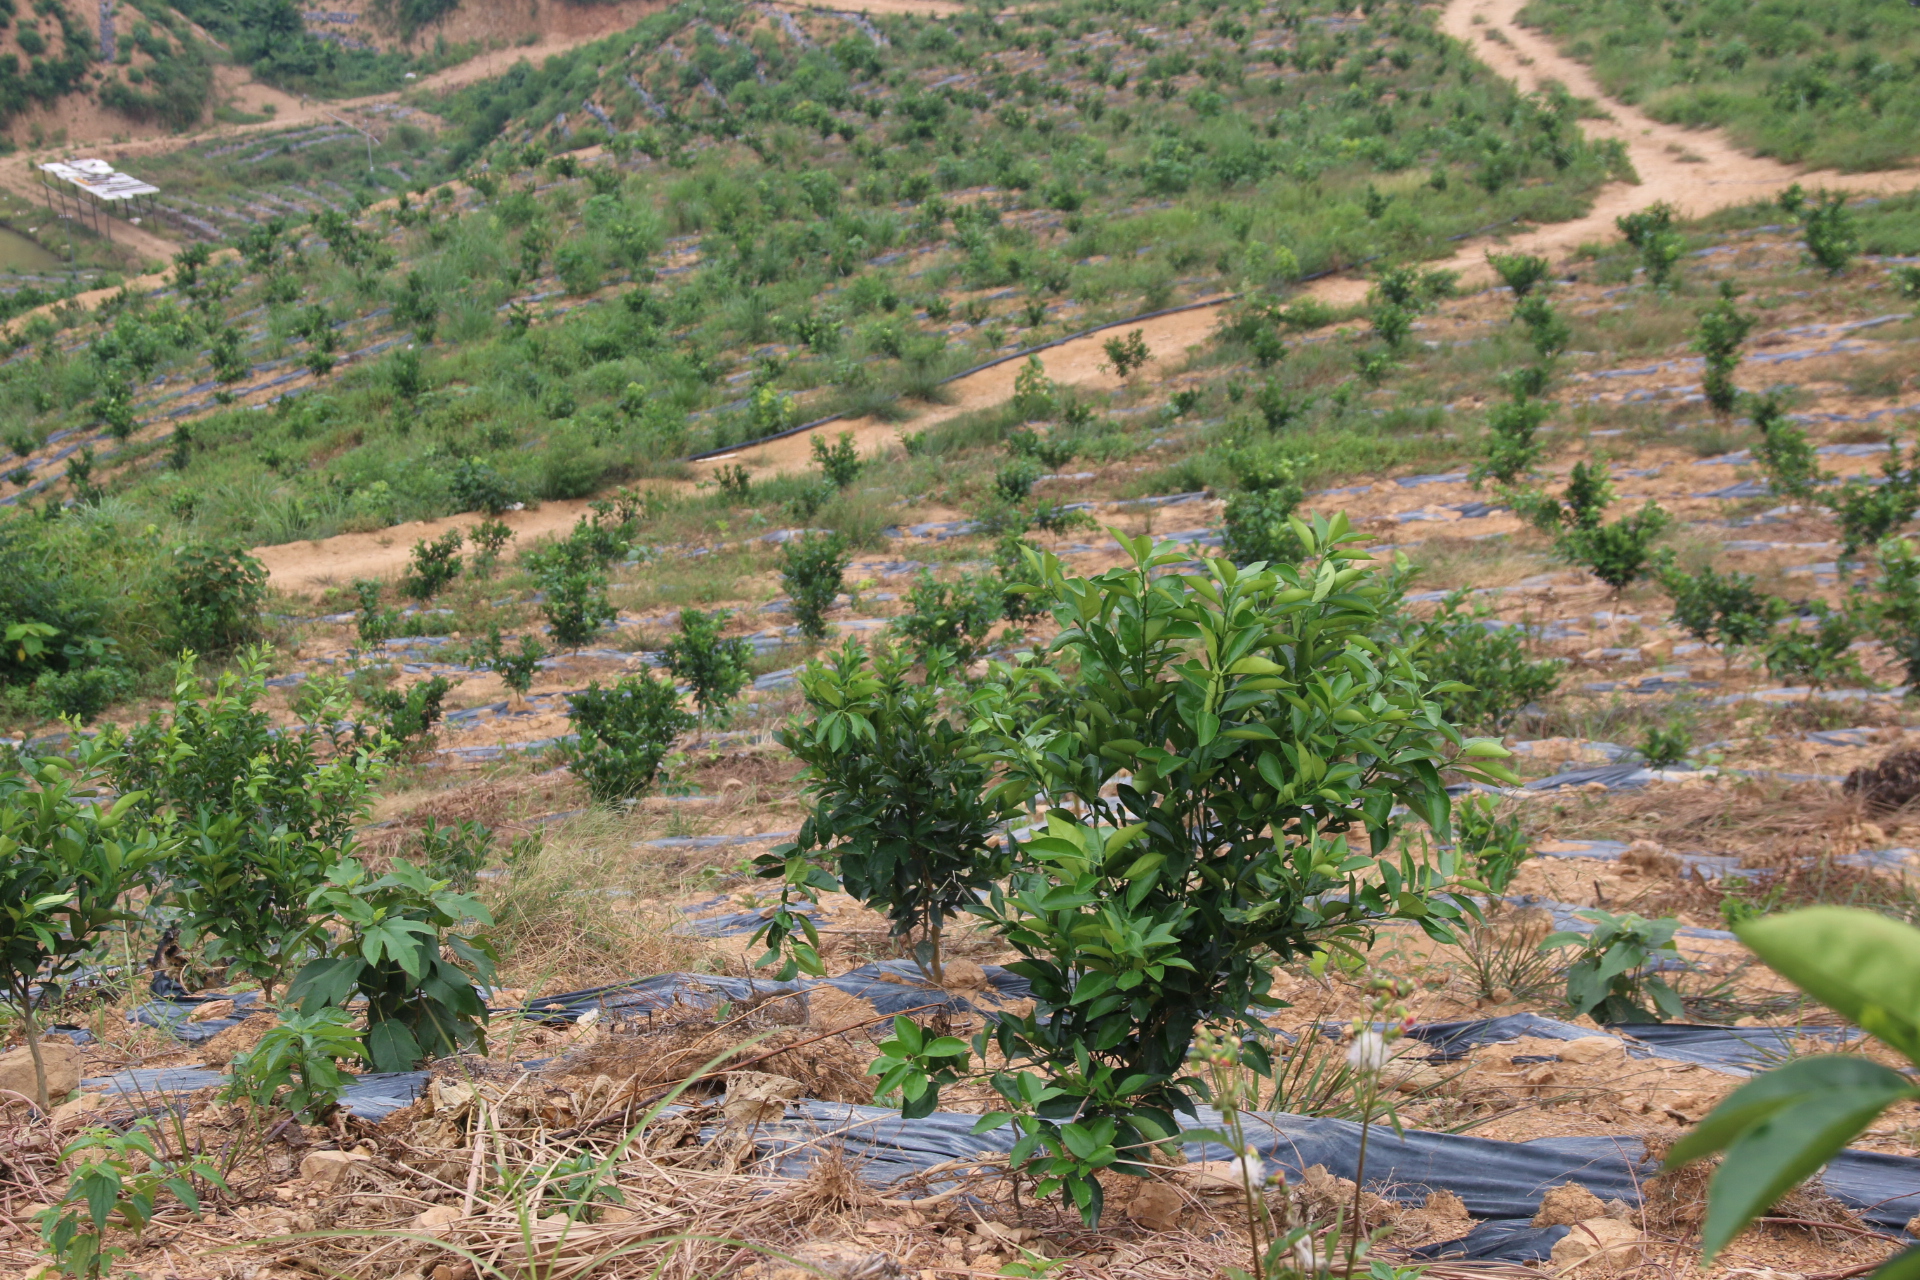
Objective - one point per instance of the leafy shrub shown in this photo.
(1664, 747)
(65, 864)
(1520, 272)
(1723, 610)
(433, 565)
(1258, 523)
(515, 668)
(397, 944)
(625, 734)
(1832, 237)
(1014, 481)
(1215, 861)
(1127, 355)
(376, 623)
(1723, 327)
(1866, 512)
(901, 808)
(262, 812)
(1820, 654)
(80, 692)
(490, 538)
(1482, 674)
(813, 570)
(1280, 409)
(576, 607)
(1784, 452)
(117, 1179)
(1612, 975)
(1906, 281)
(1034, 394)
(1650, 230)
(1894, 613)
(1548, 333)
(408, 718)
(715, 667)
(456, 852)
(216, 595)
(947, 623)
(1619, 553)
(300, 1054)
(1511, 447)
(478, 487)
(1494, 847)
(839, 463)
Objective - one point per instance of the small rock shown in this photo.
(74, 1110)
(1567, 1204)
(329, 1168)
(62, 1062)
(1597, 1239)
(454, 1271)
(436, 1220)
(827, 1260)
(1156, 1207)
(210, 1010)
(1592, 1049)
(963, 975)
(1213, 1178)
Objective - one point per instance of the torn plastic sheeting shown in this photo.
(1506, 1180)
(891, 986)
(1741, 1050)
(1731, 1050)
(1498, 1240)
(1500, 1181)
(1564, 918)
(373, 1096)
(171, 1015)
(741, 922)
(1456, 1039)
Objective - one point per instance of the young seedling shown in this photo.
(1723, 327)
(715, 667)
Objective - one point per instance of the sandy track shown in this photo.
(1078, 364)
(1695, 170)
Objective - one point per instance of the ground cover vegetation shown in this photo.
(1830, 86)
(1167, 741)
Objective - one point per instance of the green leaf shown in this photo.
(1901, 1266)
(1779, 1129)
(908, 1032)
(391, 1046)
(1860, 964)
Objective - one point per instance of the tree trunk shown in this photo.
(33, 1047)
(934, 965)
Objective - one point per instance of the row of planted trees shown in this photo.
(1204, 776)
(214, 823)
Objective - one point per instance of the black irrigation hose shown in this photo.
(1024, 352)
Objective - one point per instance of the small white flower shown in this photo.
(1247, 1169)
(1368, 1052)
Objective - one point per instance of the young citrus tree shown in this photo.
(65, 866)
(261, 814)
(1220, 762)
(902, 804)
